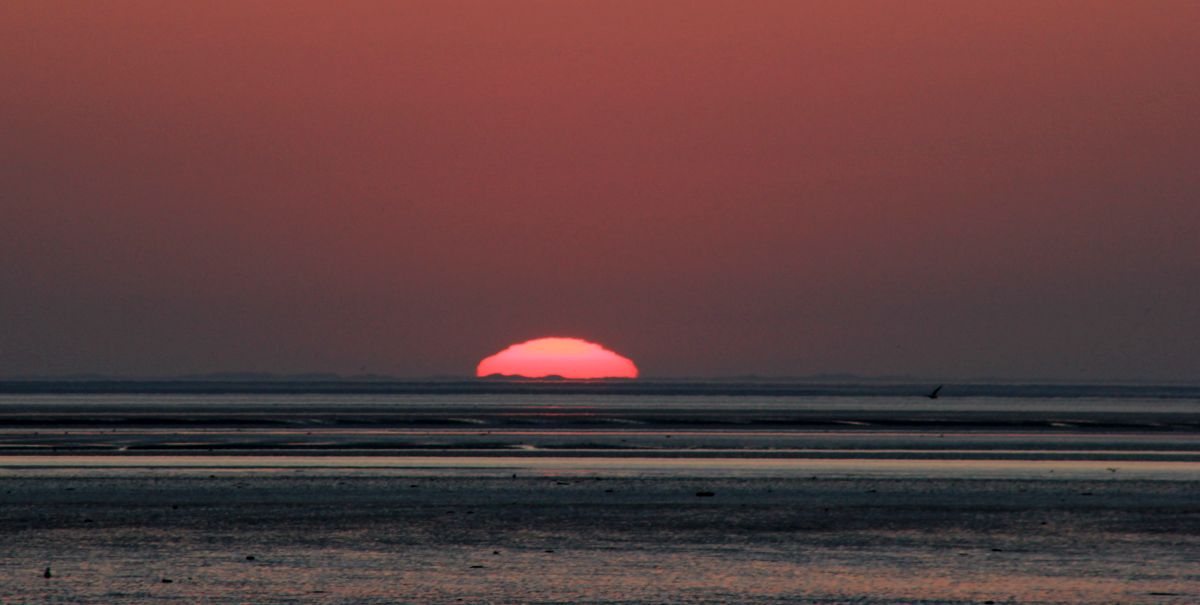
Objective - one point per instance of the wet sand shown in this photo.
(565, 536)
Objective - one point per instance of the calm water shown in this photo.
(653, 429)
(565, 494)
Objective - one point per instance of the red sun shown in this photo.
(566, 357)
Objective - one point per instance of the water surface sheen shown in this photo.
(655, 422)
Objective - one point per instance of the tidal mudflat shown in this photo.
(379, 536)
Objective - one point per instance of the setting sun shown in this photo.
(565, 357)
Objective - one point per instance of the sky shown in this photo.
(710, 188)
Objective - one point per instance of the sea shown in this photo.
(598, 492)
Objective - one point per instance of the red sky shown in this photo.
(949, 189)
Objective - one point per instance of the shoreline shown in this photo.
(667, 468)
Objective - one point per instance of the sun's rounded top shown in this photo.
(557, 356)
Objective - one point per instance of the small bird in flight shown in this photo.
(934, 394)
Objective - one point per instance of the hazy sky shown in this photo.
(948, 189)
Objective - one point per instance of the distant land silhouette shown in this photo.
(320, 383)
(821, 378)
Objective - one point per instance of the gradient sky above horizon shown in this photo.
(942, 189)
